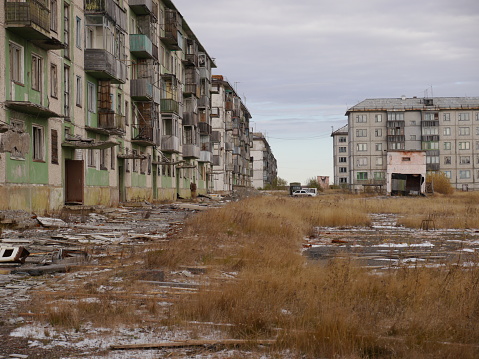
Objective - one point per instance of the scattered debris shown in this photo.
(194, 343)
(51, 222)
(13, 254)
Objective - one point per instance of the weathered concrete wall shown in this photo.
(32, 198)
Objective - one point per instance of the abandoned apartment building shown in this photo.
(108, 101)
(390, 144)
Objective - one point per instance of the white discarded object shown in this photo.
(51, 222)
(13, 254)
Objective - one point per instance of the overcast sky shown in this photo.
(298, 65)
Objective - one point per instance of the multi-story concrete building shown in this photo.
(341, 156)
(104, 101)
(231, 137)
(446, 128)
(265, 169)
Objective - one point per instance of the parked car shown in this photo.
(303, 193)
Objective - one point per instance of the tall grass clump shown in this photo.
(440, 182)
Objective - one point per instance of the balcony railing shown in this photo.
(169, 106)
(190, 119)
(205, 156)
(172, 26)
(170, 143)
(141, 46)
(108, 8)
(31, 20)
(141, 89)
(141, 7)
(103, 65)
(191, 151)
(111, 122)
(205, 128)
(146, 135)
(215, 136)
(216, 160)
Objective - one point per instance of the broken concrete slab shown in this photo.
(51, 222)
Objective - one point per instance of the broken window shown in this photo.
(38, 143)
(448, 174)
(37, 72)
(362, 161)
(343, 170)
(16, 62)
(342, 159)
(54, 146)
(465, 160)
(53, 81)
(447, 160)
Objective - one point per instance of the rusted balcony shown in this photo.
(107, 8)
(216, 136)
(205, 128)
(228, 146)
(141, 89)
(169, 106)
(31, 20)
(191, 151)
(191, 89)
(102, 65)
(111, 122)
(173, 25)
(146, 135)
(190, 119)
(141, 7)
(141, 46)
(170, 144)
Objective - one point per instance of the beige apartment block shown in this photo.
(445, 128)
(265, 171)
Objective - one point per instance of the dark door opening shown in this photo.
(74, 180)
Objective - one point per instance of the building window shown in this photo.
(134, 168)
(66, 29)
(447, 145)
(16, 62)
(378, 132)
(446, 117)
(362, 161)
(342, 159)
(66, 91)
(477, 145)
(378, 146)
(91, 158)
(412, 123)
(127, 113)
(343, 170)
(342, 139)
(378, 118)
(395, 116)
(362, 176)
(447, 131)
(379, 175)
(53, 15)
(78, 32)
(79, 91)
(103, 156)
(447, 160)
(215, 112)
(343, 180)
(412, 137)
(342, 149)
(361, 118)
(54, 146)
(432, 159)
(465, 160)
(426, 131)
(464, 145)
(37, 73)
(464, 116)
(396, 145)
(464, 131)
(113, 158)
(379, 161)
(91, 97)
(447, 174)
(430, 116)
(53, 81)
(430, 145)
(38, 143)
(362, 147)
(464, 174)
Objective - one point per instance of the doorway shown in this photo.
(74, 180)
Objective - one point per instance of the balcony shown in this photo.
(31, 20)
(229, 167)
(192, 89)
(173, 24)
(102, 65)
(215, 136)
(169, 106)
(191, 151)
(146, 135)
(216, 160)
(205, 128)
(141, 7)
(228, 146)
(141, 46)
(107, 8)
(170, 144)
(190, 119)
(205, 156)
(111, 122)
(141, 89)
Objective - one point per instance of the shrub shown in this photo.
(440, 183)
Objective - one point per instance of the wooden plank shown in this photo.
(194, 343)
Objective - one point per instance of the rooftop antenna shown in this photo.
(236, 85)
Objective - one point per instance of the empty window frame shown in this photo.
(343, 159)
(362, 161)
(342, 149)
(79, 91)
(343, 169)
(54, 146)
(91, 158)
(53, 16)
(78, 31)
(448, 174)
(38, 143)
(361, 133)
(37, 73)
(342, 139)
(53, 81)
(378, 118)
(19, 126)
(465, 160)
(16, 62)
(395, 116)
(91, 97)
(447, 160)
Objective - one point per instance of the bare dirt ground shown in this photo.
(57, 264)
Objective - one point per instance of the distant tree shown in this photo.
(277, 183)
(313, 183)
